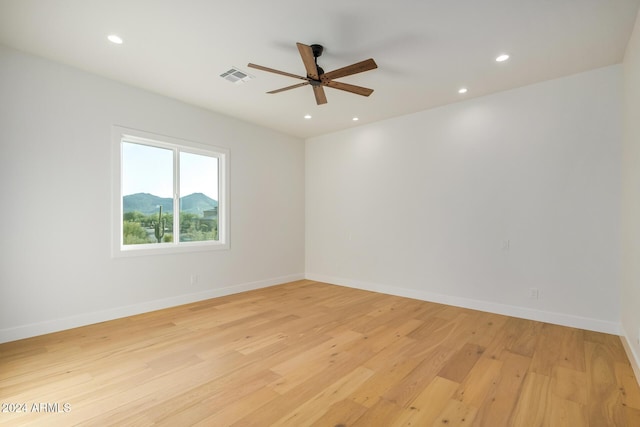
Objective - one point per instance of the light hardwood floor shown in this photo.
(308, 353)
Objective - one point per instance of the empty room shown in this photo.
(362, 213)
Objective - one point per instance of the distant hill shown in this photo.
(148, 204)
(197, 203)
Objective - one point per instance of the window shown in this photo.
(170, 195)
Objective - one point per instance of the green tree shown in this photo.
(134, 216)
(168, 219)
(134, 234)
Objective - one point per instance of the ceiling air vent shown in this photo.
(235, 75)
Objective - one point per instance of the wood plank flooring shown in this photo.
(312, 354)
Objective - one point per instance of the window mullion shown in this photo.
(176, 196)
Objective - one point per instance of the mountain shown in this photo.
(197, 203)
(148, 203)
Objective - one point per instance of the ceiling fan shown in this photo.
(318, 79)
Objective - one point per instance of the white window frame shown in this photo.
(121, 134)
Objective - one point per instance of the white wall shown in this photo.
(423, 205)
(631, 200)
(55, 265)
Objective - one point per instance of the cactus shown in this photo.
(158, 227)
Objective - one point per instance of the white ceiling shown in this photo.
(425, 49)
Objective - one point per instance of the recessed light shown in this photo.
(114, 39)
(502, 57)
(355, 119)
(307, 116)
(462, 90)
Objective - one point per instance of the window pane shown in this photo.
(198, 197)
(147, 189)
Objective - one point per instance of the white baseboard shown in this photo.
(634, 358)
(55, 325)
(492, 307)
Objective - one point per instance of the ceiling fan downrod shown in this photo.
(317, 51)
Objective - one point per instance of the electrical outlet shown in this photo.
(194, 279)
(533, 293)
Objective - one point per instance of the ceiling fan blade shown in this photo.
(358, 67)
(271, 70)
(289, 87)
(359, 90)
(308, 60)
(321, 97)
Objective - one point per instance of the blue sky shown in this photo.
(147, 169)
